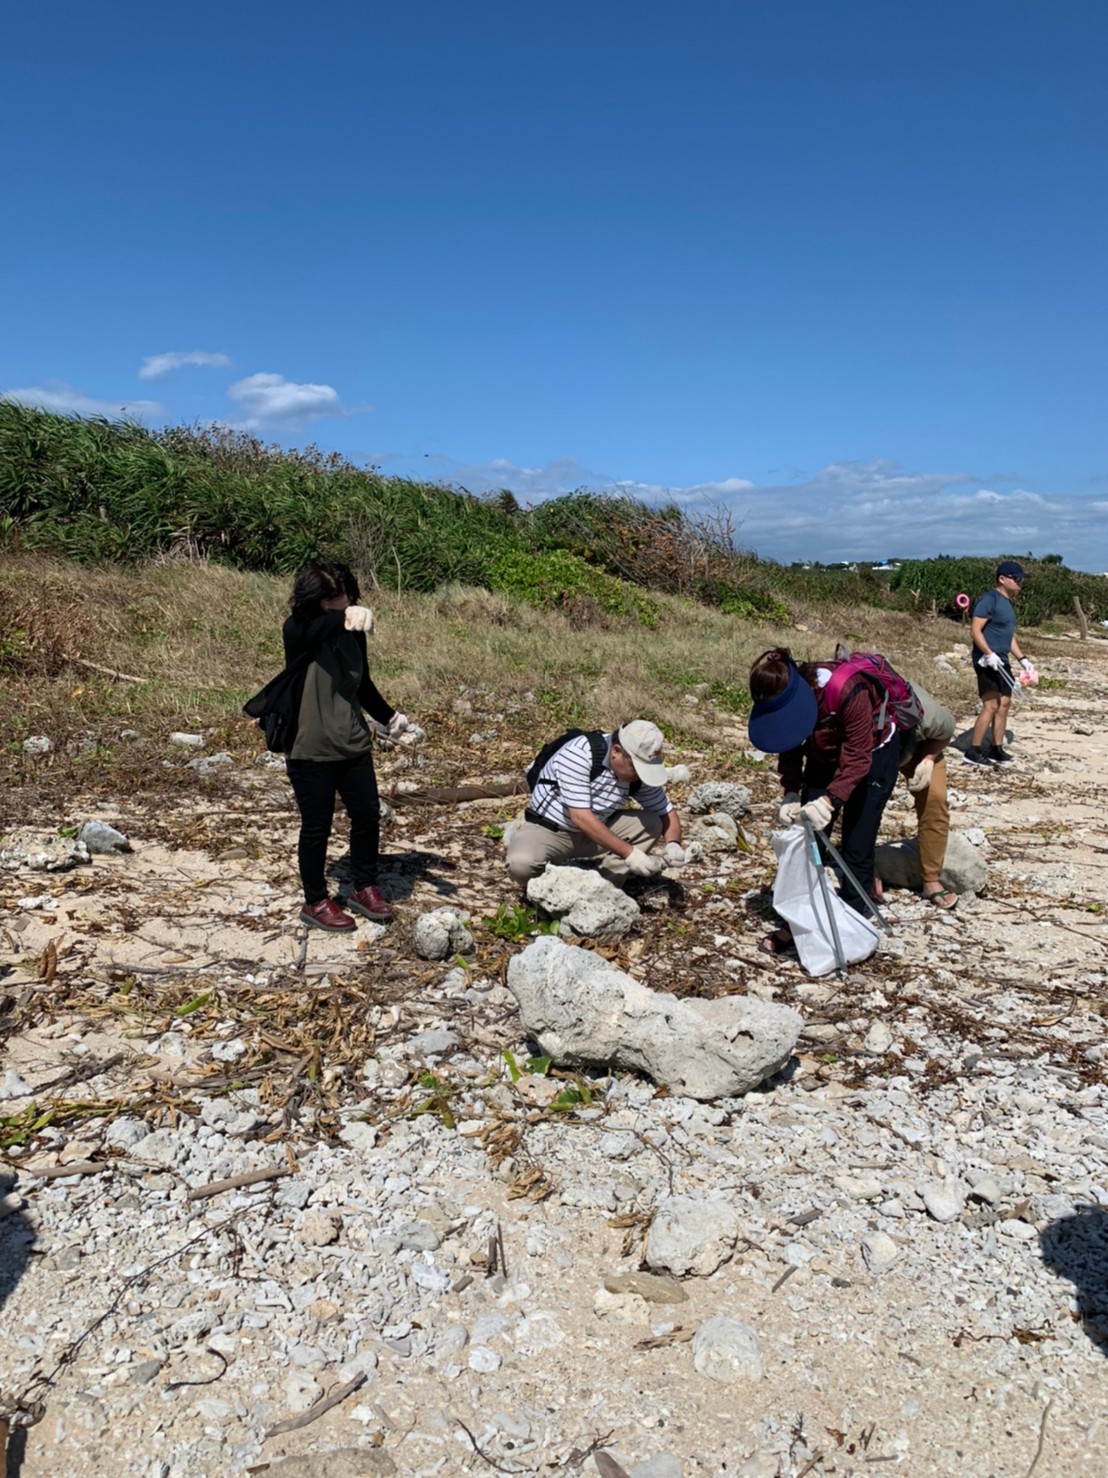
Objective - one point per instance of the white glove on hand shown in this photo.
(642, 865)
(789, 813)
(397, 724)
(920, 778)
(1027, 664)
(990, 659)
(674, 854)
(358, 618)
(819, 812)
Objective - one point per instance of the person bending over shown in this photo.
(842, 763)
(923, 766)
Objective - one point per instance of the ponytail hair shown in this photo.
(769, 674)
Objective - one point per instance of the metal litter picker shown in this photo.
(827, 934)
(817, 863)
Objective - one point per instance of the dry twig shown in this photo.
(1042, 1439)
(122, 677)
(294, 1423)
(235, 1182)
(75, 1167)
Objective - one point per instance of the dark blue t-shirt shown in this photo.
(1000, 623)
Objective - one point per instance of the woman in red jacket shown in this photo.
(832, 763)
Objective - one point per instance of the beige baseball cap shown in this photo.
(642, 742)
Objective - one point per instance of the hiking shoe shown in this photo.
(368, 902)
(976, 756)
(326, 914)
(999, 755)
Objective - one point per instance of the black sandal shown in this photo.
(780, 942)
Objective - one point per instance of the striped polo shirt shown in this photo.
(569, 769)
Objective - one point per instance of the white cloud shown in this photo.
(876, 510)
(529, 483)
(564, 475)
(156, 365)
(56, 395)
(271, 398)
(846, 511)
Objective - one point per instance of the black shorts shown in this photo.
(989, 681)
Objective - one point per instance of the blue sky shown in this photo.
(837, 265)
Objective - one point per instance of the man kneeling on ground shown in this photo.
(579, 809)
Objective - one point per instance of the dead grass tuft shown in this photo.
(473, 605)
(201, 638)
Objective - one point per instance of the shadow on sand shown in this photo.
(1076, 1247)
(17, 1240)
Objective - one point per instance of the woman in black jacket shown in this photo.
(331, 752)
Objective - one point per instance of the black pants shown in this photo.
(861, 818)
(315, 784)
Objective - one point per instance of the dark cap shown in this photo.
(781, 723)
(1010, 567)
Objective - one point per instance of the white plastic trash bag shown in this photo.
(800, 900)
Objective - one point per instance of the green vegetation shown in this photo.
(100, 492)
(539, 1066)
(1049, 591)
(518, 922)
(564, 581)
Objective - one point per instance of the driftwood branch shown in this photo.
(294, 1423)
(234, 1182)
(75, 1167)
(438, 796)
(121, 677)
(1082, 619)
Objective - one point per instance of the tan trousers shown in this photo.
(531, 847)
(933, 821)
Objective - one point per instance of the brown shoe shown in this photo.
(326, 914)
(368, 902)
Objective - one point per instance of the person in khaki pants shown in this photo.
(924, 768)
(579, 808)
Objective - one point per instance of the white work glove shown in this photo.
(642, 865)
(920, 778)
(398, 724)
(358, 618)
(789, 814)
(990, 659)
(1027, 664)
(673, 854)
(819, 812)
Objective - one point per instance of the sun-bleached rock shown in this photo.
(587, 902)
(964, 868)
(584, 1011)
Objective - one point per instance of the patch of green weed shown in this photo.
(517, 922)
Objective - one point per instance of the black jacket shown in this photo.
(277, 706)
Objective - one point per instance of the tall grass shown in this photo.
(202, 637)
(103, 492)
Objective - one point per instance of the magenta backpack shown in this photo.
(898, 697)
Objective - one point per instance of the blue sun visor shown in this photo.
(779, 724)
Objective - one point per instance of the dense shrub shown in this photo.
(563, 580)
(1048, 591)
(104, 492)
(99, 491)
